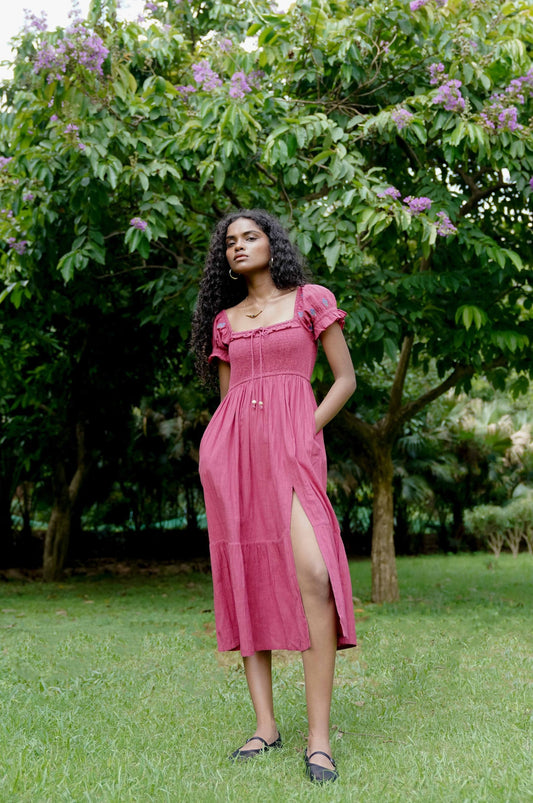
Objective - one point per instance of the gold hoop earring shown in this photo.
(232, 275)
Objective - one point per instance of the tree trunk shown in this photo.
(384, 576)
(58, 533)
(372, 449)
(56, 542)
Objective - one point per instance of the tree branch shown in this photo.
(477, 193)
(460, 372)
(137, 267)
(398, 383)
(81, 467)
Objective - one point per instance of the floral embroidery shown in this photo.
(312, 311)
(325, 302)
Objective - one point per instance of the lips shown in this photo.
(239, 256)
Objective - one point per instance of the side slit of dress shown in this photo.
(295, 496)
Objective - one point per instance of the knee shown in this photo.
(315, 582)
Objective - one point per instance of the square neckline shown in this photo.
(297, 298)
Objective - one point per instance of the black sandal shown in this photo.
(241, 755)
(319, 774)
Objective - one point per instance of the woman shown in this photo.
(280, 573)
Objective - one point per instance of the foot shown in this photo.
(254, 746)
(320, 766)
(323, 757)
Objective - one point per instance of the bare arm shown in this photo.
(223, 378)
(344, 383)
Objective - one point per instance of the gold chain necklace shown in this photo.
(256, 314)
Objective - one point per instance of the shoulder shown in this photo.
(317, 294)
(220, 324)
(220, 317)
(319, 309)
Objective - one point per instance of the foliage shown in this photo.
(510, 524)
(464, 449)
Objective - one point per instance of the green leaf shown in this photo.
(219, 175)
(469, 315)
(331, 253)
(304, 242)
(458, 134)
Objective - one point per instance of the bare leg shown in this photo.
(320, 611)
(258, 670)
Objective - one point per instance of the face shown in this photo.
(247, 246)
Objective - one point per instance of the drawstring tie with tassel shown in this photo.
(257, 403)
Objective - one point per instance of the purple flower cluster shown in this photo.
(73, 129)
(508, 119)
(414, 5)
(239, 86)
(80, 46)
(497, 117)
(445, 226)
(402, 118)
(28, 196)
(417, 205)
(519, 86)
(34, 23)
(389, 192)
(205, 76)
(185, 89)
(225, 45)
(93, 53)
(7, 212)
(437, 74)
(139, 223)
(53, 60)
(531, 183)
(449, 96)
(4, 161)
(149, 6)
(255, 77)
(19, 246)
(502, 114)
(449, 90)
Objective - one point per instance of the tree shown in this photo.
(393, 138)
(92, 183)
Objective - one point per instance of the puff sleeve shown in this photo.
(220, 339)
(319, 309)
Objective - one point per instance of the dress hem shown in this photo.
(342, 644)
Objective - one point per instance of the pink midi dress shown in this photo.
(259, 447)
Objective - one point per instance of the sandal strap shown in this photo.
(259, 738)
(321, 753)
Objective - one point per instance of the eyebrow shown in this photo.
(232, 236)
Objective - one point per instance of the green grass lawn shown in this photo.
(111, 689)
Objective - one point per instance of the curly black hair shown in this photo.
(218, 291)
